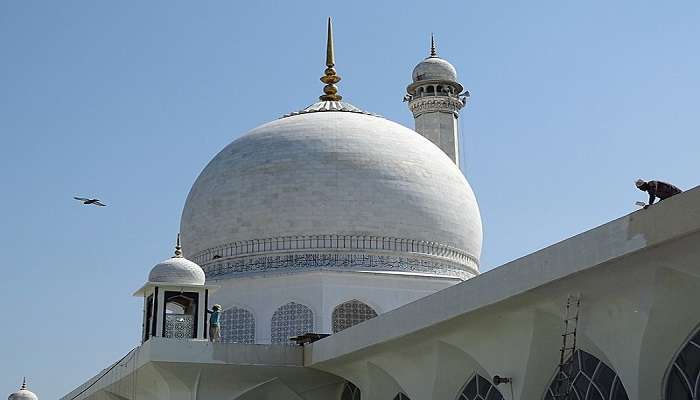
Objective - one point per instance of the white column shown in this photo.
(201, 314)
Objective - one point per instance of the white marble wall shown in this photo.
(321, 291)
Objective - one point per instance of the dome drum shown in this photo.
(356, 243)
(336, 252)
(309, 261)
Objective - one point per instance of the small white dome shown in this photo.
(177, 270)
(434, 68)
(23, 394)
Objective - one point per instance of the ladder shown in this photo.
(568, 347)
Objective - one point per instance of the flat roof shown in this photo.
(670, 219)
(158, 349)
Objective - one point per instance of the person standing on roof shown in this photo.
(214, 331)
(659, 189)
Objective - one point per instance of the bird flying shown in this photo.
(94, 202)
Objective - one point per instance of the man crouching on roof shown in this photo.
(659, 189)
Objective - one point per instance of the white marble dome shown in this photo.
(434, 68)
(177, 270)
(330, 173)
(23, 394)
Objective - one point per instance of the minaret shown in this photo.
(435, 98)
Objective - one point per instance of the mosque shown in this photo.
(344, 251)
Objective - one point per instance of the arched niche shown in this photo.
(350, 313)
(291, 319)
(237, 325)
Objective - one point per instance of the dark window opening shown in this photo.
(585, 377)
(480, 388)
(683, 382)
(351, 392)
(180, 315)
(147, 326)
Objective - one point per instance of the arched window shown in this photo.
(683, 381)
(479, 388)
(351, 313)
(290, 320)
(585, 377)
(401, 396)
(237, 326)
(350, 392)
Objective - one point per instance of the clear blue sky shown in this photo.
(571, 101)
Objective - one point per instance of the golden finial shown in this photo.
(433, 52)
(178, 248)
(330, 78)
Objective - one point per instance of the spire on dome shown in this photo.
(178, 248)
(24, 383)
(433, 51)
(330, 78)
(330, 100)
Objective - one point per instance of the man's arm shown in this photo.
(651, 189)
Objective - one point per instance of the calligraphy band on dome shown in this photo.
(339, 242)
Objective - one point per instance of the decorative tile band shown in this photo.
(363, 244)
(302, 262)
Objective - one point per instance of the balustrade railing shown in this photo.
(337, 242)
